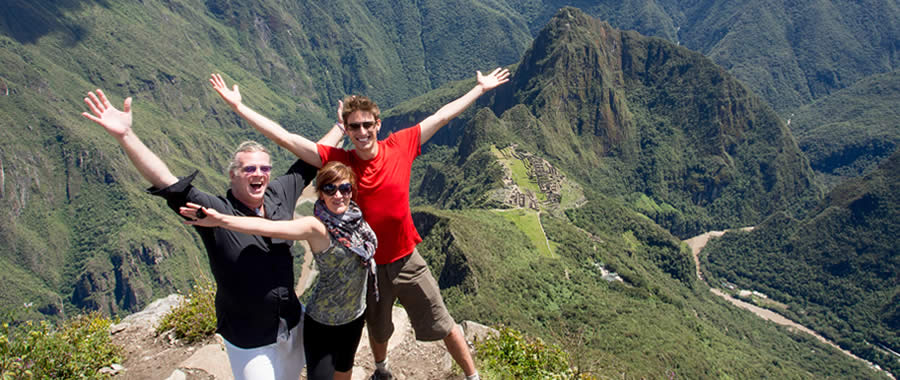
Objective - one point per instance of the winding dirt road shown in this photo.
(697, 243)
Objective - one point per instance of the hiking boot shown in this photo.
(382, 374)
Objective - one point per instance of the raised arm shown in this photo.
(435, 122)
(118, 125)
(305, 228)
(302, 147)
(334, 136)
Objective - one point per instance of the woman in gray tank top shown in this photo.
(343, 246)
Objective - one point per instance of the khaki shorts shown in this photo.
(410, 281)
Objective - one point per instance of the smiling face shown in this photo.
(338, 201)
(362, 128)
(249, 186)
(335, 184)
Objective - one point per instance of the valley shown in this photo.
(625, 129)
(696, 245)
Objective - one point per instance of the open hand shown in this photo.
(497, 77)
(200, 216)
(232, 97)
(117, 123)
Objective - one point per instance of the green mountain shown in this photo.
(848, 133)
(596, 125)
(836, 270)
(790, 53)
(582, 110)
(636, 118)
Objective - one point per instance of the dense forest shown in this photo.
(836, 270)
(848, 133)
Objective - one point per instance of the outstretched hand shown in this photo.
(117, 123)
(497, 77)
(200, 216)
(232, 97)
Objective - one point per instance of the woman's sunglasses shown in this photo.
(344, 188)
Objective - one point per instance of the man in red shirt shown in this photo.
(383, 170)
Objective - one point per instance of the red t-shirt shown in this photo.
(383, 190)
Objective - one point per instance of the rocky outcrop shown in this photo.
(149, 356)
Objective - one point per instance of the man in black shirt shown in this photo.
(258, 312)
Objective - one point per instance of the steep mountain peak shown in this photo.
(636, 116)
(573, 66)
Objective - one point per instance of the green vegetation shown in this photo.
(639, 123)
(511, 355)
(836, 270)
(194, 319)
(670, 125)
(790, 53)
(529, 222)
(848, 133)
(77, 348)
(572, 195)
(653, 325)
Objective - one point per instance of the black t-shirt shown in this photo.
(254, 274)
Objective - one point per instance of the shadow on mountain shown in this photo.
(26, 21)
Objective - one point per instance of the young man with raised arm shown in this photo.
(257, 310)
(383, 168)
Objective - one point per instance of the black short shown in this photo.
(330, 348)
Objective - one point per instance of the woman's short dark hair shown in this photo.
(332, 172)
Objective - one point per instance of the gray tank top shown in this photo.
(339, 296)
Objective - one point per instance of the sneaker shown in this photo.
(381, 374)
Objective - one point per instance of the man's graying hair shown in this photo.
(246, 146)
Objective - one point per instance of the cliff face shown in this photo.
(571, 78)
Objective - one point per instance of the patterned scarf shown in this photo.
(351, 230)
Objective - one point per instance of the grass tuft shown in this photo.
(510, 354)
(194, 319)
(76, 349)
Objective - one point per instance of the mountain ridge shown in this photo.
(632, 115)
(676, 142)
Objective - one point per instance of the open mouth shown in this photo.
(257, 186)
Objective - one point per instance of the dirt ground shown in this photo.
(148, 356)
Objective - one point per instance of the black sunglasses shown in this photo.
(250, 169)
(344, 188)
(365, 125)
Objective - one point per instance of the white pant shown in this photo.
(282, 360)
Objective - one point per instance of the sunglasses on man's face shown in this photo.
(357, 126)
(330, 189)
(250, 169)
